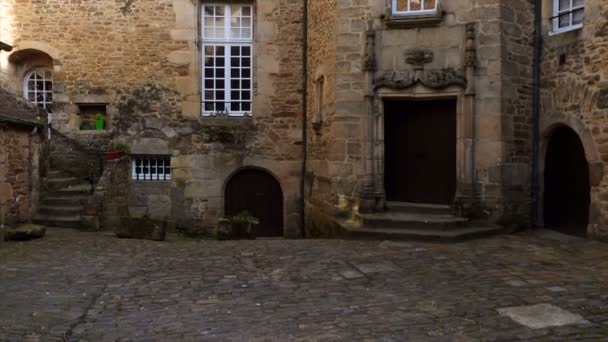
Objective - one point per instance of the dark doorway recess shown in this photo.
(567, 189)
(258, 193)
(420, 151)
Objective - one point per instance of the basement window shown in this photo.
(151, 168)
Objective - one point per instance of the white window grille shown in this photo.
(414, 7)
(151, 168)
(568, 15)
(38, 88)
(227, 58)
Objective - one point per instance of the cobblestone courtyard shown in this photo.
(94, 287)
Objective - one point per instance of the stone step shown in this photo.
(51, 200)
(58, 209)
(412, 221)
(73, 190)
(64, 221)
(350, 230)
(418, 208)
(55, 183)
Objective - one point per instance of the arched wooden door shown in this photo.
(260, 194)
(567, 188)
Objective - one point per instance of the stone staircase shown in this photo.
(412, 221)
(62, 204)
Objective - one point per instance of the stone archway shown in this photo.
(567, 188)
(259, 193)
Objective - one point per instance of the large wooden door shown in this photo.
(420, 150)
(258, 193)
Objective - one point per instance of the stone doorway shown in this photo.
(260, 194)
(567, 188)
(420, 150)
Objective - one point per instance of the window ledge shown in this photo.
(414, 20)
(227, 121)
(564, 30)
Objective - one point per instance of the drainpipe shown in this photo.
(536, 113)
(304, 120)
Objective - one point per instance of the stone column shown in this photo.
(465, 196)
(369, 191)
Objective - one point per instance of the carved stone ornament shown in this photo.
(418, 58)
(435, 79)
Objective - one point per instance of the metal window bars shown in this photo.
(151, 168)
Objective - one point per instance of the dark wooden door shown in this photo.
(567, 187)
(258, 193)
(420, 151)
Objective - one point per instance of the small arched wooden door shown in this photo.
(260, 194)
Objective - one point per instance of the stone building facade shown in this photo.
(575, 99)
(140, 64)
(475, 57)
(349, 108)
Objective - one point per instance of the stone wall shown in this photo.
(517, 42)
(575, 94)
(111, 198)
(140, 59)
(19, 173)
(322, 73)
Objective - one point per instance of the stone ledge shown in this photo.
(227, 121)
(413, 21)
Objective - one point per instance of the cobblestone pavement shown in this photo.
(93, 287)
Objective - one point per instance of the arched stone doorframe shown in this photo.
(596, 166)
(222, 195)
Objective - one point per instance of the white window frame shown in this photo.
(414, 12)
(556, 16)
(44, 104)
(228, 42)
(152, 174)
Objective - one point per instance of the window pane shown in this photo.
(401, 5)
(246, 106)
(578, 3)
(564, 20)
(429, 4)
(246, 73)
(247, 11)
(577, 17)
(564, 5)
(415, 5)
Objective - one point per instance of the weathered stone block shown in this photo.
(144, 228)
(25, 232)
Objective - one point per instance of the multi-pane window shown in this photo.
(38, 88)
(151, 168)
(227, 33)
(568, 14)
(414, 6)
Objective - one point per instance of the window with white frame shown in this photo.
(568, 14)
(227, 58)
(413, 7)
(38, 88)
(151, 168)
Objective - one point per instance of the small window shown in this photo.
(38, 88)
(568, 15)
(227, 82)
(151, 168)
(414, 7)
